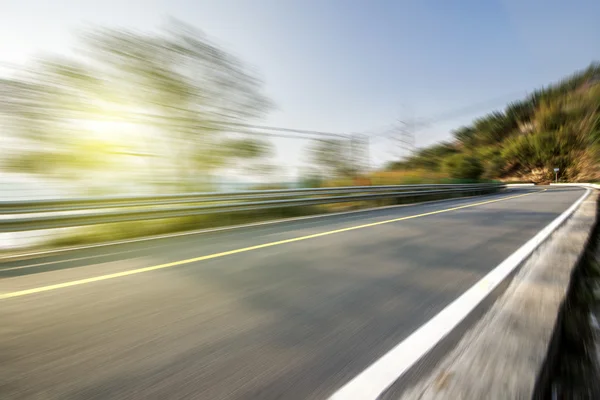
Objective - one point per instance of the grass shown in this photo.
(405, 177)
(136, 229)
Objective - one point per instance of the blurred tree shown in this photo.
(430, 158)
(332, 157)
(170, 95)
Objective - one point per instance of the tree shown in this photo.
(332, 157)
(166, 98)
(429, 158)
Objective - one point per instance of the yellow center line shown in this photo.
(77, 282)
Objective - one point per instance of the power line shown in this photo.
(404, 136)
(280, 129)
(467, 110)
(239, 127)
(451, 114)
(392, 130)
(269, 134)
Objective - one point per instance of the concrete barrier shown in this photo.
(500, 356)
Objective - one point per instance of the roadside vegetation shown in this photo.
(555, 127)
(150, 110)
(163, 111)
(157, 112)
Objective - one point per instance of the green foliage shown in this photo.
(466, 136)
(551, 117)
(493, 128)
(310, 181)
(520, 112)
(493, 168)
(164, 99)
(429, 158)
(545, 150)
(491, 160)
(555, 127)
(462, 166)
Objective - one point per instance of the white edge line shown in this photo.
(17, 256)
(587, 185)
(374, 380)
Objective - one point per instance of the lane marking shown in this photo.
(379, 376)
(33, 254)
(43, 264)
(36, 255)
(40, 289)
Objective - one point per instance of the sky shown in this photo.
(351, 66)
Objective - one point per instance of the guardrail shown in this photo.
(63, 213)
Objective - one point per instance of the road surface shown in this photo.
(291, 310)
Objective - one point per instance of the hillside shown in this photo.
(555, 127)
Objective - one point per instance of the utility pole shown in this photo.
(352, 161)
(367, 152)
(405, 139)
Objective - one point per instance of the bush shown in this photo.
(411, 176)
(556, 149)
(494, 168)
(462, 166)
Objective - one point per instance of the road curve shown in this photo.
(290, 310)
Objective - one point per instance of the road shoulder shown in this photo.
(500, 356)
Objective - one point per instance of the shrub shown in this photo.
(462, 166)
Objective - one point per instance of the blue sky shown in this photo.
(353, 66)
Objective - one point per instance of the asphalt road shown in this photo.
(295, 319)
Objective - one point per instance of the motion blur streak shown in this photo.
(295, 321)
(226, 253)
(167, 115)
(143, 111)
